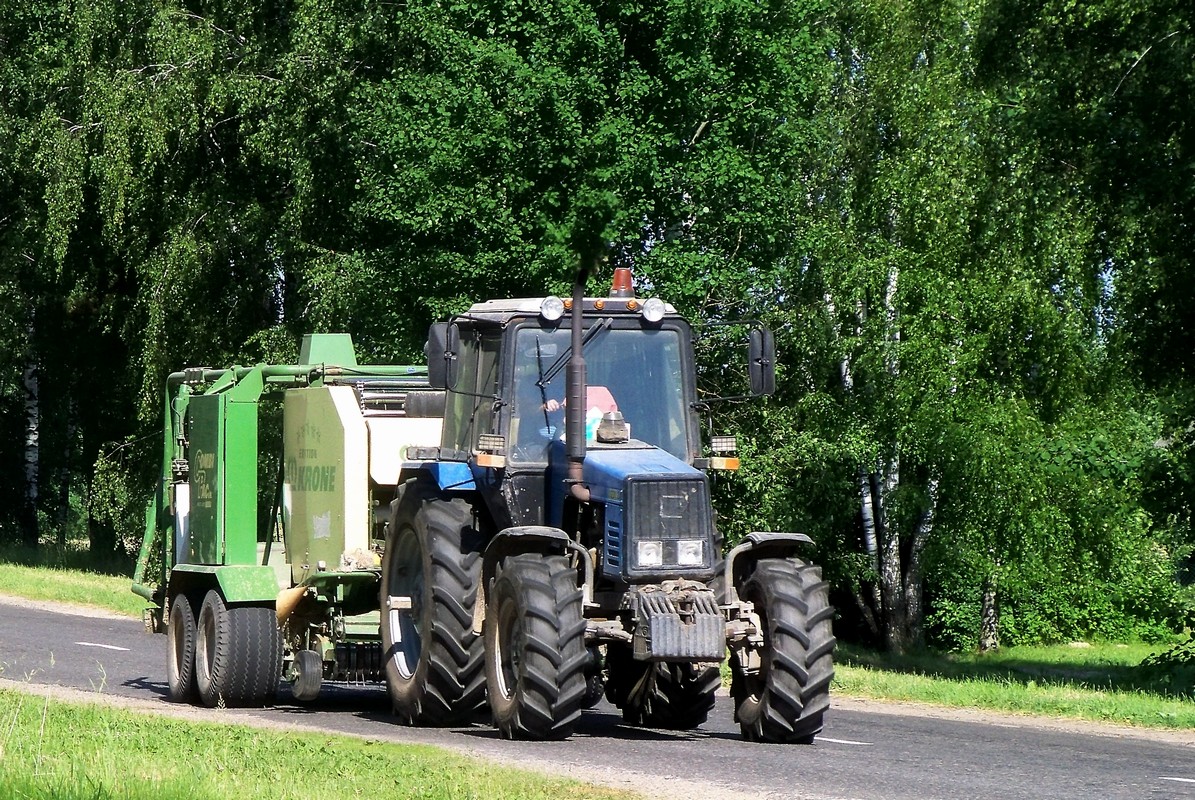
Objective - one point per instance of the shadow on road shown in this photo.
(145, 684)
(373, 704)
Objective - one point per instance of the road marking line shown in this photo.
(105, 646)
(844, 741)
(1178, 780)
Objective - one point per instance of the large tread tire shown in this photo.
(181, 659)
(433, 660)
(535, 647)
(238, 653)
(787, 700)
(659, 694)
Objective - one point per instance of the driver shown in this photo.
(537, 405)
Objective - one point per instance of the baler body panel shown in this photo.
(325, 488)
(222, 525)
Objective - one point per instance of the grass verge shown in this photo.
(1102, 682)
(68, 751)
(59, 584)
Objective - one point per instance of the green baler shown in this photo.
(251, 589)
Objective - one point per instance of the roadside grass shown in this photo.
(61, 574)
(1100, 681)
(75, 751)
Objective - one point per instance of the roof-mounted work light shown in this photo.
(552, 308)
(653, 309)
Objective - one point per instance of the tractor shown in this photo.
(560, 540)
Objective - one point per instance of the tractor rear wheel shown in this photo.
(430, 572)
(238, 653)
(658, 694)
(181, 668)
(786, 699)
(535, 654)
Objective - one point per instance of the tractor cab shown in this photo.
(505, 368)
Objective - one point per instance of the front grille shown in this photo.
(667, 510)
(612, 563)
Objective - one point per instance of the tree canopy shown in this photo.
(968, 222)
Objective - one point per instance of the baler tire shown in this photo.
(181, 664)
(787, 700)
(433, 659)
(660, 694)
(238, 653)
(535, 654)
(309, 676)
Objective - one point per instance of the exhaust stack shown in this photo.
(574, 410)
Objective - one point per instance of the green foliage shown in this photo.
(965, 221)
(1174, 667)
(1057, 522)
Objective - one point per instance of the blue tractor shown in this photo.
(560, 541)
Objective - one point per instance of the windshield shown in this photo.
(637, 372)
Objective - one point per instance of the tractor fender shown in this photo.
(755, 546)
(527, 539)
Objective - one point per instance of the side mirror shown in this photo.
(761, 349)
(443, 341)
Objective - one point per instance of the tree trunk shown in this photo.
(895, 613)
(871, 547)
(892, 574)
(867, 597)
(913, 576)
(64, 478)
(29, 528)
(989, 617)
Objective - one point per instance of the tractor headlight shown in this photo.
(650, 554)
(690, 553)
(552, 308)
(653, 309)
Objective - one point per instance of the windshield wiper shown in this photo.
(562, 359)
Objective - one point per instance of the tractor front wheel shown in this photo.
(785, 699)
(433, 659)
(535, 656)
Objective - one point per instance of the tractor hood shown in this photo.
(645, 495)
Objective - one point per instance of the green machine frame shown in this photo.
(210, 469)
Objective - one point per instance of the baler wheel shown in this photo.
(430, 572)
(238, 655)
(181, 667)
(787, 698)
(308, 676)
(535, 647)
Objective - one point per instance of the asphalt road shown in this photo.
(878, 753)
